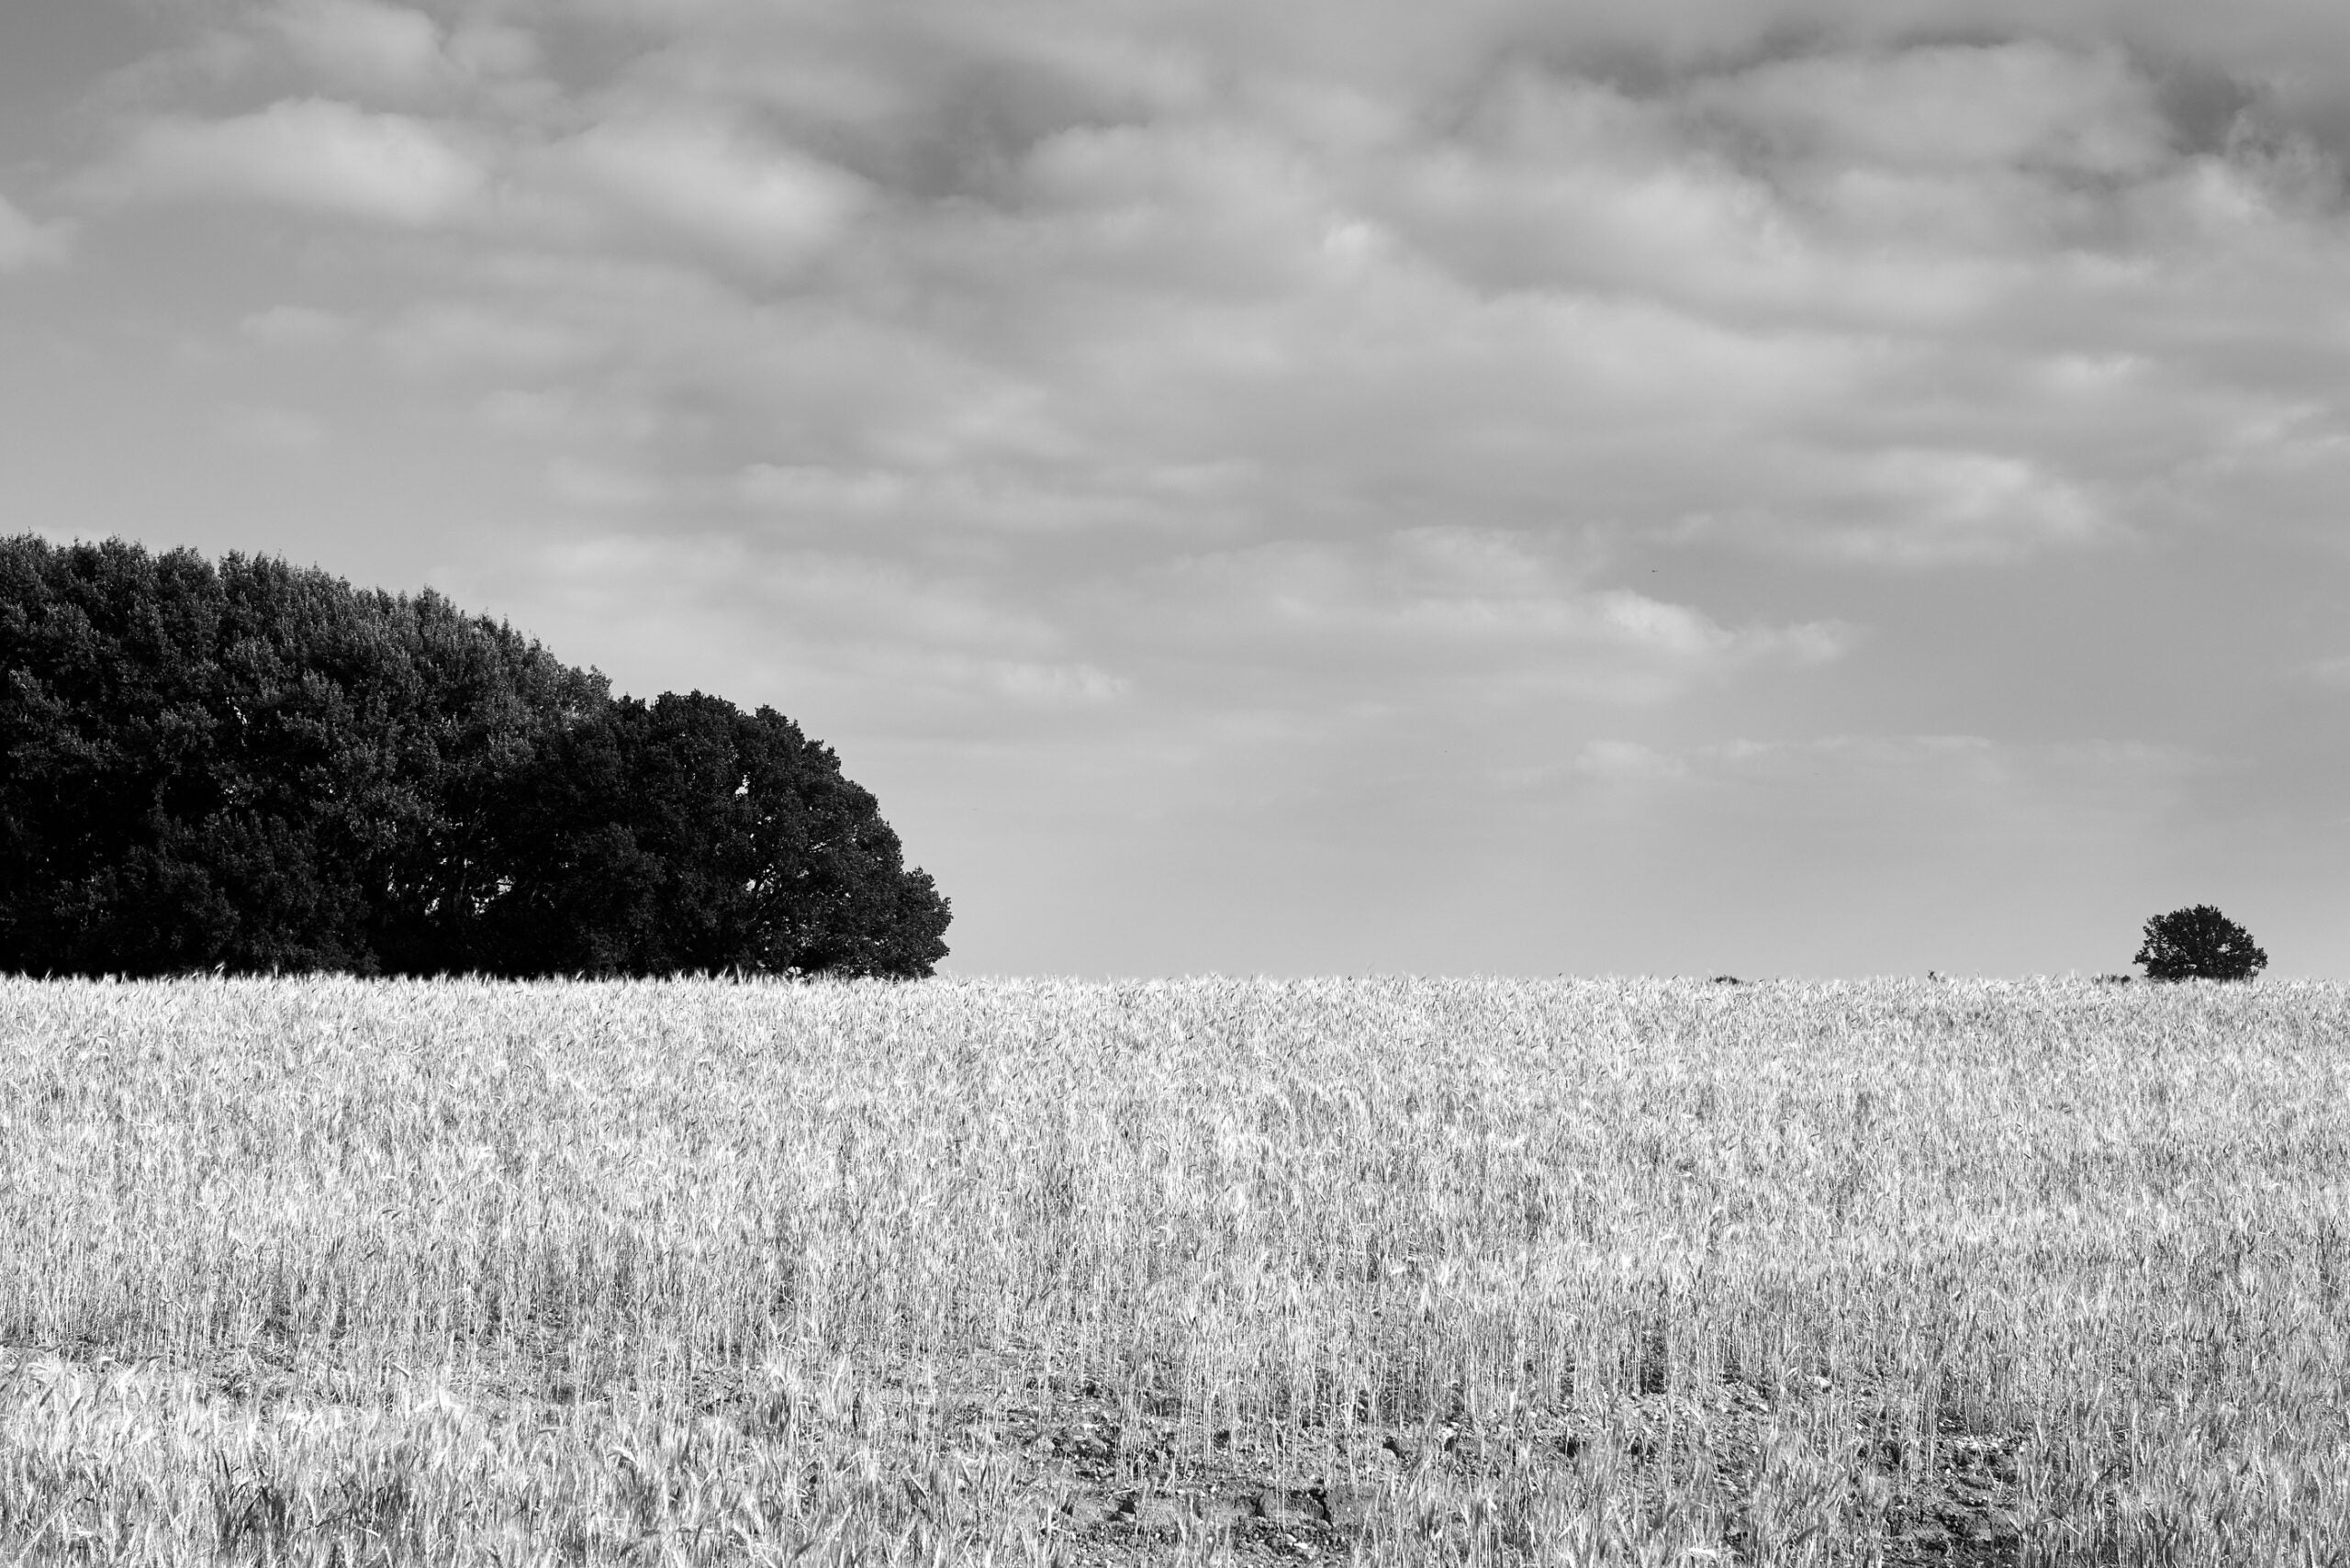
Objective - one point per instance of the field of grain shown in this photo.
(1390, 1272)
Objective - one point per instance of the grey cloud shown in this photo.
(1347, 399)
(297, 327)
(1215, 278)
(436, 337)
(271, 429)
(1871, 783)
(704, 182)
(2330, 672)
(364, 44)
(1622, 762)
(1911, 507)
(385, 54)
(313, 153)
(26, 242)
(1476, 615)
(2025, 105)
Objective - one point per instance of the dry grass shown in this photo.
(331, 1272)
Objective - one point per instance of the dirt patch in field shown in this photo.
(1110, 1477)
(1076, 1470)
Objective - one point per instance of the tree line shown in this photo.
(253, 768)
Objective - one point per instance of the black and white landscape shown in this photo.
(1677, 671)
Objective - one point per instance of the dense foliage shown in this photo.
(2198, 943)
(254, 767)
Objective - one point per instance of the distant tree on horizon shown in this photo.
(253, 768)
(2199, 943)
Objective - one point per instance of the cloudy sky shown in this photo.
(1837, 488)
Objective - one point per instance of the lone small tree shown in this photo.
(2198, 943)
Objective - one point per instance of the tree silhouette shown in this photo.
(686, 835)
(254, 767)
(2198, 943)
(250, 766)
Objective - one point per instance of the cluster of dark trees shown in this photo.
(251, 767)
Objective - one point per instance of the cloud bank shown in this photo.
(1490, 370)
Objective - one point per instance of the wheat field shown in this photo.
(1390, 1271)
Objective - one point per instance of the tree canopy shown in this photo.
(253, 768)
(2198, 943)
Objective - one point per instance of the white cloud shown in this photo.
(842, 618)
(379, 52)
(1487, 618)
(364, 44)
(600, 486)
(448, 335)
(307, 153)
(25, 243)
(483, 46)
(269, 427)
(1874, 784)
(1627, 762)
(2334, 672)
(1940, 757)
(1043, 685)
(1909, 508)
(2025, 104)
(296, 326)
(749, 200)
(1946, 505)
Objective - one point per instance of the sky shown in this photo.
(1827, 489)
